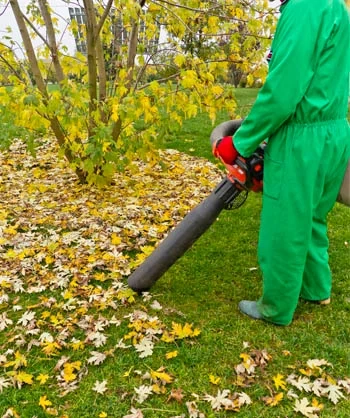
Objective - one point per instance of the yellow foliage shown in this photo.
(44, 402)
(42, 378)
(279, 382)
(24, 377)
(19, 361)
(162, 376)
(185, 331)
(171, 354)
(273, 400)
(50, 348)
(215, 380)
(70, 369)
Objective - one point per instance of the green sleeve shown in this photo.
(294, 58)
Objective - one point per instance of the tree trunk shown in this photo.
(91, 58)
(54, 122)
(100, 57)
(130, 64)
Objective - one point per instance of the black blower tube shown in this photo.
(195, 223)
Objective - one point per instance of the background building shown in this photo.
(65, 12)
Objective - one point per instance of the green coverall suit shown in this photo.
(302, 112)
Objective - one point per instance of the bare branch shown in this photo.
(29, 23)
(91, 54)
(5, 8)
(181, 6)
(104, 17)
(150, 58)
(161, 80)
(28, 47)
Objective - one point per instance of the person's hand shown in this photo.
(224, 149)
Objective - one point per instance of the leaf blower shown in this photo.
(244, 175)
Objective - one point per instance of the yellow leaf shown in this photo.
(250, 79)
(37, 172)
(245, 357)
(102, 415)
(147, 249)
(42, 188)
(49, 259)
(115, 112)
(42, 378)
(238, 13)
(274, 400)
(214, 379)
(331, 380)
(156, 388)
(91, 258)
(18, 362)
(171, 354)
(115, 239)
(127, 374)
(306, 372)
(45, 315)
(167, 338)
(126, 294)
(11, 230)
(67, 294)
(279, 382)
(213, 23)
(316, 404)
(184, 331)
(50, 348)
(52, 411)
(217, 90)
(161, 375)
(78, 345)
(100, 276)
(5, 284)
(180, 60)
(44, 402)
(24, 378)
(69, 375)
(69, 370)
(11, 253)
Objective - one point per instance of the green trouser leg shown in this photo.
(303, 170)
(317, 279)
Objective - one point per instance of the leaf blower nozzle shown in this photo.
(196, 222)
(181, 238)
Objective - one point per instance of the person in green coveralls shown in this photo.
(301, 111)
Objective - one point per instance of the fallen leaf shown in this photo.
(100, 387)
(171, 354)
(142, 393)
(279, 382)
(177, 395)
(303, 406)
(273, 400)
(44, 402)
(135, 413)
(214, 379)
